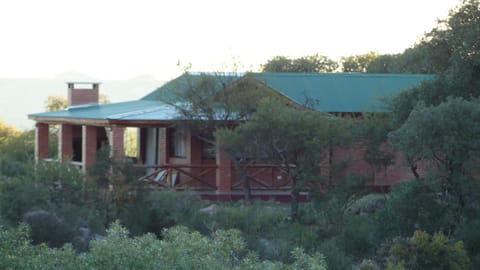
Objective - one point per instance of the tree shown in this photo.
(295, 140)
(357, 63)
(60, 102)
(6, 132)
(424, 251)
(425, 57)
(452, 47)
(208, 101)
(447, 137)
(373, 129)
(16, 150)
(451, 50)
(55, 103)
(310, 63)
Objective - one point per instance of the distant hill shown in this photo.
(22, 96)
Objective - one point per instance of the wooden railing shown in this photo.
(181, 176)
(203, 177)
(262, 177)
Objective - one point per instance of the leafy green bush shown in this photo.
(47, 228)
(181, 248)
(57, 189)
(359, 237)
(168, 208)
(20, 195)
(414, 205)
(335, 255)
(16, 252)
(16, 153)
(423, 251)
(253, 219)
(469, 233)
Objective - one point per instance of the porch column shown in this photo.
(89, 145)
(116, 143)
(163, 145)
(41, 141)
(224, 175)
(65, 142)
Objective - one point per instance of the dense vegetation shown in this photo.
(53, 217)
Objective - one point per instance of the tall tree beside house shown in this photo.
(453, 50)
(207, 101)
(296, 140)
(446, 136)
(452, 45)
(371, 129)
(425, 57)
(310, 63)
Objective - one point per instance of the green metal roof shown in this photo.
(130, 110)
(171, 91)
(330, 92)
(341, 92)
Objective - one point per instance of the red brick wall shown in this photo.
(393, 174)
(195, 150)
(82, 96)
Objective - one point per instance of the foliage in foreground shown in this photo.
(180, 249)
(424, 251)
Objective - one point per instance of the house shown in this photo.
(174, 157)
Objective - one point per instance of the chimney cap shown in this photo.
(83, 82)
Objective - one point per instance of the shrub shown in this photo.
(18, 196)
(254, 219)
(411, 206)
(16, 252)
(359, 236)
(168, 208)
(335, 255)
(423, 251)
(47, 228)
(469, 233)
(180, 249)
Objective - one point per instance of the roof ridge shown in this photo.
(341, 74)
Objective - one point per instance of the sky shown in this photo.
(121, 39)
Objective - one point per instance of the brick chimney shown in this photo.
(80, 93)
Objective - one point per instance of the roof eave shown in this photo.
(100, 122)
